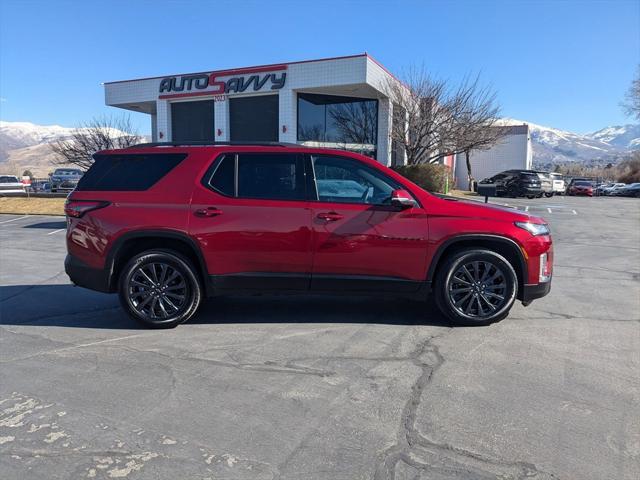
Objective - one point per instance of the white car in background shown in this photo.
(612, 188)
(11, 184)
(559, 186)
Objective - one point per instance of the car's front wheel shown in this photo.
(160, 288)
(475, 287)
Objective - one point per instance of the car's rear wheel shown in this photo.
(160, 288)
(530, 197)
(476, 287)
(549, 194)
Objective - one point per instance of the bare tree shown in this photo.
(631, 104)
(439, 119)
(98, 134)
(355, 121)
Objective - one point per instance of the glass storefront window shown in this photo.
(328, 118)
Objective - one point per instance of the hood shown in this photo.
(455, 207)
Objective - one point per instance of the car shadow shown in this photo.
(47, 225)
(74, 307)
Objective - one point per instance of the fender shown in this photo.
(481, 237)
(156, 234)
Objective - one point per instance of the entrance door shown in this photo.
(251, 220)
(192, 121)
(254, 119)
(361, 242)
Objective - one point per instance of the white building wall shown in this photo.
(513, 152)
(316, 75)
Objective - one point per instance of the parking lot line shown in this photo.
(574, 212)
(14, 219)
(526, 209)
(549, 210)
(56, 231)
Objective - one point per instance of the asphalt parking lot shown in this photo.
(327, 388)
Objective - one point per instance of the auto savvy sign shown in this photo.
(221, 83)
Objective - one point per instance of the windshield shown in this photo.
(67, 172)
(8, 179)
(583, 184)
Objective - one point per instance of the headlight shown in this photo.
(534, 229)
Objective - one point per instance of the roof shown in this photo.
(274, 65)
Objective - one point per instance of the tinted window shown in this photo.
(254, 119)
(192, 121)
(583, 184)
(8, 179)
(128, 172)
(326, 118)
(271, 176)
(343, 180)
(223, 178)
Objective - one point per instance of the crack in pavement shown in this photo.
(419, 452)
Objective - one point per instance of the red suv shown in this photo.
(166, 225)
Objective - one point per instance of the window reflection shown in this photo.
(327, 118)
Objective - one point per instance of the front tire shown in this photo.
(475, 287)
(160, 289)
(548, 194)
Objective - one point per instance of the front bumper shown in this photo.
(531, 292)
(85, 276)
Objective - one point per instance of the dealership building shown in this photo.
(331, 102)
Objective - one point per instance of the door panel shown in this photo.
(370, 241)
(356, 230)
(245, 240)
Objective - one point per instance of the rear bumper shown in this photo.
(85, 276)
(531, 292)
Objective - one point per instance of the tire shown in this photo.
(156, 303)
(531, 197)
(454, 302)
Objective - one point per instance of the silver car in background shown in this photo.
(11, 184)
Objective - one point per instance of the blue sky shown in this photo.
(565, 64)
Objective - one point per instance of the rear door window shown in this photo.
(128, 172)
(274, 176)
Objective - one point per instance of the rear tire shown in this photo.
(548, 194)
(160, 288)
(475, 287)
(531, 197)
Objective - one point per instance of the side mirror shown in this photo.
(402, 199)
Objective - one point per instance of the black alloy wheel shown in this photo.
(160, 288)
(476, 287)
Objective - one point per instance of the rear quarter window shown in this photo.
(128, 172)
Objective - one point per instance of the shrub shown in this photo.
(430, 176)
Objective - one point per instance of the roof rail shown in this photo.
(212, 144)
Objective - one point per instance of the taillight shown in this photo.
(77, 208)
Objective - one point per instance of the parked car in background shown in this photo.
(581, 187)
(165, 227)
(11, 184)
(546, 183)
(65, 179)
(559, 187)
(631, 190)
(40, 186)
(516, 183)
(610, 188)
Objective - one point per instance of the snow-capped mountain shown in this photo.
(621, 136)
(15, 135)
(25, 145)
(552, 146)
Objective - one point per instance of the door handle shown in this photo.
(330, 216)
(207, 212)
